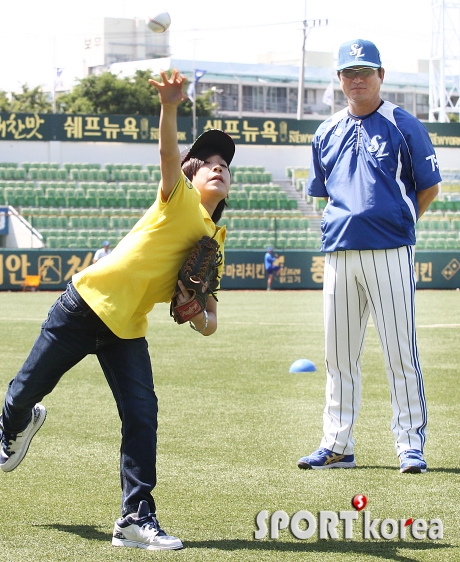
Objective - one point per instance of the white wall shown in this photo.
(20, 235)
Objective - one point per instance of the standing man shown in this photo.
(102, 252)
(270, 267)
(376, 166)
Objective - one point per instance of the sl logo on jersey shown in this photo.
(377, 148)
(188, 183)
(356, 51)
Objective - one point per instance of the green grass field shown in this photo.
(233, 422)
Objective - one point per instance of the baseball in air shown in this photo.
(159, 23)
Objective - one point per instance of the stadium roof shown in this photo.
(242, 72)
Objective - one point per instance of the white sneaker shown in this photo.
(14, 446)
(142, 530)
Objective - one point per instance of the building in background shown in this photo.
(269, 88)
(113, 40)
(258, 90)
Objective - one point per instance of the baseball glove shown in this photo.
(200, 277)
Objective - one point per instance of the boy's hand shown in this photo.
(170, 90)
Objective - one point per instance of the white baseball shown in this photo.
(159, 23)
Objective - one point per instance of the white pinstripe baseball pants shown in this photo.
(380, 283)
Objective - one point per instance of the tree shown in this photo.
(111, 94)
(5, 104)
(30, 101)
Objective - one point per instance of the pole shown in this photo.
(301, 89)
(54, 74)
(194, 93)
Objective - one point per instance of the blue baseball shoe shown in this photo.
(412, 461)
(324, 458)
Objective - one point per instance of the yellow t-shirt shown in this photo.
(142, 269)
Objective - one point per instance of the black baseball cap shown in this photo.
(214, 140)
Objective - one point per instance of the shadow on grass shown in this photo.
(85, 531)
(393, 468)
(388, 550)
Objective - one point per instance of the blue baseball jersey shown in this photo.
(371, 167)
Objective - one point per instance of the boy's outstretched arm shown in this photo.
(171, 95)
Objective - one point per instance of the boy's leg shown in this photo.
(127, 367)
(67, 335)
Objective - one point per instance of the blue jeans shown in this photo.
(72, 331)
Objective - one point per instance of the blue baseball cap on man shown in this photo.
(358, 52)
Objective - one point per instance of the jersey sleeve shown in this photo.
(316, 186)
(425, 166)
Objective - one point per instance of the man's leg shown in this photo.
(346, 313)
(390, 280)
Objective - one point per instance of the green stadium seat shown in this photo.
(52, 242)
(120, 198)
(72, 242)
(242, 200)
(20, 174)
(125, 174)
(74, 222)
(62, 241)
(250, 242)
(28, 196)
(253, 199)
(430, 243)
(439, 244)
(102, 175)
(82, 242)
(44, 174)
(91, 198)
(238, 176)
(231, 242)
(60, 196)
(281, 242)
(84, 175)
(302, 242)
(101, 197)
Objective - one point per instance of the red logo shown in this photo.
(359, 502)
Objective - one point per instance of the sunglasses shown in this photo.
(363, 72)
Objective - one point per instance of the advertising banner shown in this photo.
(243, 269)
(144, 129)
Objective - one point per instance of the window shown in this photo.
(405, 101)
(276, 100)
(253, 99)
(228, 99)
(422, 106)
